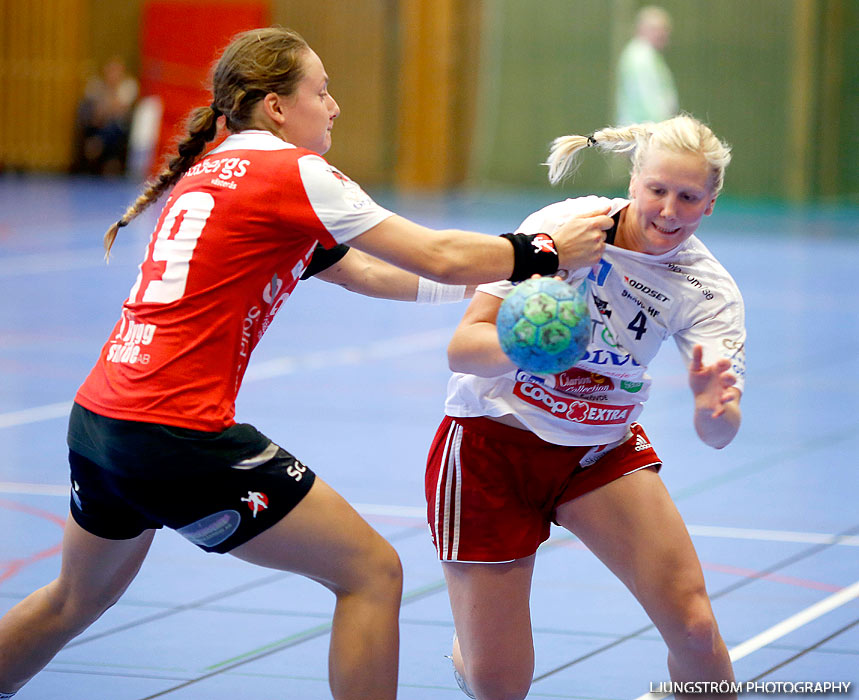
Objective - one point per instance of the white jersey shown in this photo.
(636, 302)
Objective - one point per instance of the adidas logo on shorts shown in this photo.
(641, 443)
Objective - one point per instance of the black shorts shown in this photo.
(218, 490)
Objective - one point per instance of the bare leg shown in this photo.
(492, 614)
(325, 539)
(94, 573)
(633, 526)
(322, 538)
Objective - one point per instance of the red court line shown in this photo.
(739, 571)
(8, 569)
(777, 578)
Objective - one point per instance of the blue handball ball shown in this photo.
(544, 325)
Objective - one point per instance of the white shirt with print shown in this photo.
(636, 302)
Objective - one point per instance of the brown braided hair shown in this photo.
(254, 64)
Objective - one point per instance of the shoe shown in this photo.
(460, 681)
(463, 686)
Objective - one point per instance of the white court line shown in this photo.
(35, 415)
(418, 512)
(836, 600)
(738, 533)
(19, 489)
(377, 350)
(278, 367)
(733, 533)
(37, 263)
(391, 511)
(775, 632)
(779, 630)
(65, 261)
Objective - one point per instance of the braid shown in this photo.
(254, 64)
(202, 128)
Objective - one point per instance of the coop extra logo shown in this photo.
(575, 410)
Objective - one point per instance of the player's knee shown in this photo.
(699, 633)
(75, 609)
(390, 568)
(499, 681)
(500, 688)
(701, 636)
(383, 573)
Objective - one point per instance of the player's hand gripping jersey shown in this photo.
(636, 302)
(236, 233)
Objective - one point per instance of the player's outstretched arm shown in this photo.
(717, 400)
(463, 257)
(450, 256)
(474, 347)
(366, 274)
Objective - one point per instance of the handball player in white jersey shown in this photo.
(155, 417)
(517, 451)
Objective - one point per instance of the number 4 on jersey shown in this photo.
(639, 325)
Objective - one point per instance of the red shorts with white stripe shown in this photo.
(492, 490)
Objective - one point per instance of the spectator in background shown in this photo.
(104, 120)
(645, 87)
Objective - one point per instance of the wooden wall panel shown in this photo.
(404, 73)
(356, 41)
(426, 91)
(439, 55)
(114, 30)
(42, 54)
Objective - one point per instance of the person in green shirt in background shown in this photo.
(645, 89)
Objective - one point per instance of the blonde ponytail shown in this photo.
(680, 133)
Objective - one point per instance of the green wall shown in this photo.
(777, 79)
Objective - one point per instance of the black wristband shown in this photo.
(533, 254)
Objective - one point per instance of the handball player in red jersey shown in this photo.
(241, 224)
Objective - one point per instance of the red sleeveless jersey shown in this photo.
(230, 244)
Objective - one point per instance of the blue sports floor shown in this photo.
(354, 387)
